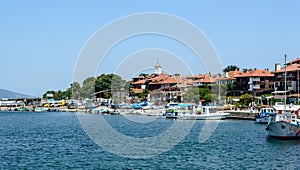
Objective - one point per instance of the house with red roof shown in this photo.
(256, 82)
(292, 79)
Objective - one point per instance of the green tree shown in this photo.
(245, 99)
(88, 87)
(207, 95)
(210, 97)
(203, 92)
(144, 74)
(107, 84)
(192, 95)
(127, 85)
(144, 94)
(75, 90)
(48, 92)
(231, 68)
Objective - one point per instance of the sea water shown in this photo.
(51, 140)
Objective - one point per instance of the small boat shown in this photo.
(205, 113)
(172, 113)
(41, 109)
(263, 116)
(284, 126)
(177, 110)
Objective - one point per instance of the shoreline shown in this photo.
(238, 115)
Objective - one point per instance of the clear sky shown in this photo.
(41, 40)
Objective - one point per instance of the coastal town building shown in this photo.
(255, 82)
(292, 79)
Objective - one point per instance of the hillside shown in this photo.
(12, 95)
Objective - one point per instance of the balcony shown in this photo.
(256, 87)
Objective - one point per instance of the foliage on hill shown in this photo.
(231, 68)
(196, 94)
(104, 85)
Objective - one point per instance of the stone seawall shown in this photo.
(242, 115)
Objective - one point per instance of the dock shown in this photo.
(241, 115)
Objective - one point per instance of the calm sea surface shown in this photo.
(57, 141)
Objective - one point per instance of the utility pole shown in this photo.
(285, 84)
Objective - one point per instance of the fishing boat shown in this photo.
(285, 124)
(205, 113)
(177, 110)
(263, 116)
(202, 113)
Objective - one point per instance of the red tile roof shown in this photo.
(256, 73)
(158, 79)
(293, 67)
(297, 60)
(139, 82)
(234, 73)
(207, 79)
(172, 80)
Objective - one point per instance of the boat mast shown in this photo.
(285, 84)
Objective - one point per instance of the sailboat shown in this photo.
(285, 125)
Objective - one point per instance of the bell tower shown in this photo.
(157, 68)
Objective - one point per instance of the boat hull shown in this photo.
(283, 130)
(262, 120)
(214, 116)
(172, 115)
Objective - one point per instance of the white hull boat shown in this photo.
(283, 130)
(263, 116)
(284, 126)
(211, 116)
(262, 120)
(203, 113)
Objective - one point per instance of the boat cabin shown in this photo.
(266, 112)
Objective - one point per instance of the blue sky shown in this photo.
(41, 40)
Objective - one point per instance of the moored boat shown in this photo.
(205, 113)
(263, 116)
(284, 126)
(202, 113)
(177, 110)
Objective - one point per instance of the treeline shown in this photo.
(104, 85)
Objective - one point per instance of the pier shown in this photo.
(242, 115)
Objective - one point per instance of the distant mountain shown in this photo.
(12, 95)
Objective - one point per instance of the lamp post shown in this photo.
(71, 97)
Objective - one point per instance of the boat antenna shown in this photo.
(285, 84)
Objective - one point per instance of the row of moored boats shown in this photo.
(282, 121)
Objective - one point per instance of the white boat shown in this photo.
(280, 107)
(205, 113)
(172, 114)
(177, 110)
(41, 109)
(263, 116)
(284, 126)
